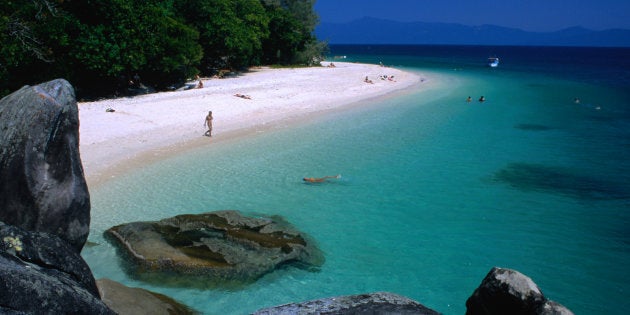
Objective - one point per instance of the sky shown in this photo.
(529, 15)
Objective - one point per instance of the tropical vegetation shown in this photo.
(105, 47)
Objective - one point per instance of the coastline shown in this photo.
(147, 128)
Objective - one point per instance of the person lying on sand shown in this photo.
(243, 96)
(367, 80)
(319, 179)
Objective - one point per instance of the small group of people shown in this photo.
(481, 99)
(331, 65)
(382, 77)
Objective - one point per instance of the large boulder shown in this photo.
(42, 187)
(506, 291)
(373, 303)
(135, 301)
(42, 274)
(215, 248)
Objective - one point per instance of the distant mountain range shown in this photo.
(377, 31)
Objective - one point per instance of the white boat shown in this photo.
(493, 62)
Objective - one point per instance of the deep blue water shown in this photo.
(434, 192)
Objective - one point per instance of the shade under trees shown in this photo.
(105, 47)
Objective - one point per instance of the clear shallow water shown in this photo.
(434, 191)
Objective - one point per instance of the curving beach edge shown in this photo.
(118, 134)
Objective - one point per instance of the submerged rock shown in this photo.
(210, 248)
(42, 187)
(561, 180)
(133, 301)
(373, 303)
(42, 274)
(506, 291)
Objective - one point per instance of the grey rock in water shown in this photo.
(506, 291)
(217, 248)
(42, 187)
(373, 303)
(41, 274)
(136, 301)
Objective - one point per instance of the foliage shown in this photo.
(26, 34)
(231, 31)
(123, 39)
(291, 40)
(101, 46)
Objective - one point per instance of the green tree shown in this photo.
(285, 37)
(231, 31)
(291, 40)
(31, 33)
(120, 39)
(99, 45)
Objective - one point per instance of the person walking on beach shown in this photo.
(208, 123)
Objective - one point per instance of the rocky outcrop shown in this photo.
(133, 301)
(373, 303)
(42, 187)
(505, 291)
(220, 247)
(42, 274)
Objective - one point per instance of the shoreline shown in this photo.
(149, 128)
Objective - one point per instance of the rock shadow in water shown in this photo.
(559, 180)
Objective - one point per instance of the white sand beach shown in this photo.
(153, 126)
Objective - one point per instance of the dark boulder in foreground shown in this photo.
(215, 248)
(42, 274)
(125, 300)
(42, 187)
(373, 303)
(505, 291)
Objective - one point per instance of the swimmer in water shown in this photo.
(319, 179)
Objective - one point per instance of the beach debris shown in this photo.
(222, 247)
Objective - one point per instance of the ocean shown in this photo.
(435, 191)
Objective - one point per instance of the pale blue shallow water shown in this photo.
(434, 191)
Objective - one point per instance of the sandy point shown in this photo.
(150, 127)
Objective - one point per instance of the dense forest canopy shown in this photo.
(104, 46)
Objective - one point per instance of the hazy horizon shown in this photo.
(531, 16)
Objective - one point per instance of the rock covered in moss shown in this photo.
(126, 300)
(41, 274)
(218, 247)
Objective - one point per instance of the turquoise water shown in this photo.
(434, 191)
